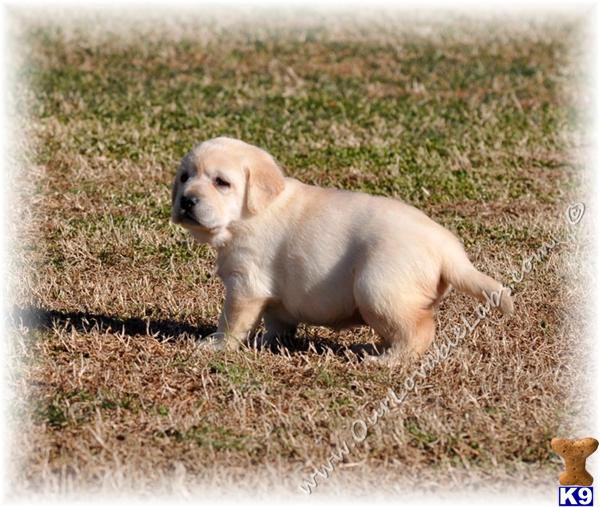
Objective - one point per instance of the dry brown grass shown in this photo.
(111, 392)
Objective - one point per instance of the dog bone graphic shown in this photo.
(574, 453)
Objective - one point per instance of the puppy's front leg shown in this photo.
(238, 320)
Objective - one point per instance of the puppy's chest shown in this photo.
(241, 270)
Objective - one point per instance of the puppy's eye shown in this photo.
(220, 182)
(184, 177)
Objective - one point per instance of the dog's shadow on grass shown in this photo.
(84, 322)
(165, 330)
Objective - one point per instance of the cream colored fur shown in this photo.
(292, 253)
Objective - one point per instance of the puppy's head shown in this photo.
(222, 181)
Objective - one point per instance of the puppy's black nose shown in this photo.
(187, 203)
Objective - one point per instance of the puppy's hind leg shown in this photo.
(406, 337)
(404, 322)
(423, 332)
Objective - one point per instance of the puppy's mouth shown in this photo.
(185, 218)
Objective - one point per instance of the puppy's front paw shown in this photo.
(215, 341)
(220, 341)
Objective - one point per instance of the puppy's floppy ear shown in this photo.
(264, 182)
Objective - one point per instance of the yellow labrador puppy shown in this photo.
(291, 253)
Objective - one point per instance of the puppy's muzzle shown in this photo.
(187, 203)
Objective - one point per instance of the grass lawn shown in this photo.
(476, 122)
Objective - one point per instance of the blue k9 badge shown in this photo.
(575, 495)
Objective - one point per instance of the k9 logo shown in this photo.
(573, 495)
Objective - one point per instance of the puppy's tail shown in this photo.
(458, 271)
